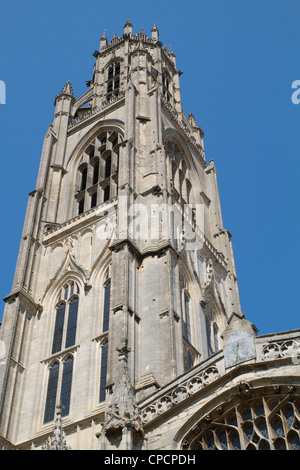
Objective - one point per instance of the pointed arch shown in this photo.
(236, 424)
(182, 169)
(68, 270)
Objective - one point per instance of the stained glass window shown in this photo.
(51, 392)
(106, 307)
(59, 328)
(208, 336)
(254, 425)
(66, 385)
(72, 322)
(103, 371)
(187, 322)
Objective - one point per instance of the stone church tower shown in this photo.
(123, 329)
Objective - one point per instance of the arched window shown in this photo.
(260, 423)
(216, 338)
(96, 172)
(66, 385)
(60, 377)
(72, 322)
(83, 178)
(65, 333)
(178, 172)
(81, 206)
(94, 200)
(181, 181)
(106, 193)
(166, 86)
(108, 166)
(105, 327)
(113, 79)
(188, 191)
(174, 169)
(103, 374)
(97, 181)
(59, 327)
(106, 306)
(186, 318)
(51, 392)
(190, 353)
(208, 335)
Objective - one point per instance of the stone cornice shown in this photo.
(181, 127)
(23, 296)
(89, 216)
(181, 389)
(96, 112)
(211, 374)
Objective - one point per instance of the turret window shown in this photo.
(113, 82)
(166, 86)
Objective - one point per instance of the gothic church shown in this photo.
(123, 329)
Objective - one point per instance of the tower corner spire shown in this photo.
(103, 40)
(128, 27)
(66, 91)
(155, 33)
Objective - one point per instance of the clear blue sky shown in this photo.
(239, 59)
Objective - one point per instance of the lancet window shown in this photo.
(113, 79)
(179, 174)
(105, 327)
(189, 351)
(59, 387)
(212, 332)
(66, 317)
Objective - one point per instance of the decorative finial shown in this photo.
(122, 413)
(67, 89)
(103, 40)
(123, 350)
(57, 441)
